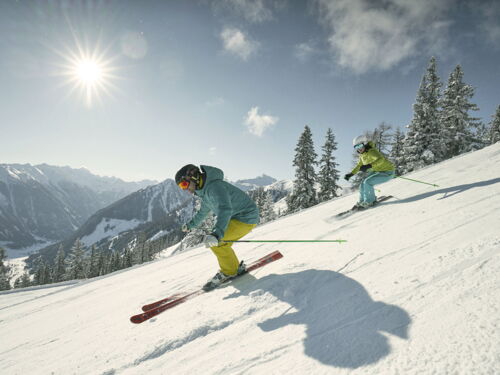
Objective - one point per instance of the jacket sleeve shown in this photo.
(199, 217)
(222, 208)
(356, 168)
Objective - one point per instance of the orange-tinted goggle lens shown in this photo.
(184, 184)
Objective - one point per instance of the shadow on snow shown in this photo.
(448, 192)
(343, 323)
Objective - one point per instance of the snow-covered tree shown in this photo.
(382, 137)
(397, 151)
(93, 262)
(495, 127)
(59, 268)
(24, 281)
(42, 273)
(423, 143)
(460, 130)
(304, 194)
(75, 262)
(328, 175)
(267, 212)
(4, 271)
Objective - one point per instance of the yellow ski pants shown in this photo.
(226, 257)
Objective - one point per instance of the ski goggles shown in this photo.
(359, 146)
(184, 184)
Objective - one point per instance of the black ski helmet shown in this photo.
(188, 172)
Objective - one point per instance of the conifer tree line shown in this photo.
(83, 263)
(310, 186)
(442, 127)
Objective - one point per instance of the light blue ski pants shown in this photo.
(366, 190)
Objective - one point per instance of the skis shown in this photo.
(353, 210)
(155, 308)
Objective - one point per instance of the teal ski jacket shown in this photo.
(223, 200)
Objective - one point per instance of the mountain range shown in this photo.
(43, 204)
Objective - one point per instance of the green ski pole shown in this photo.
(339, 241)
(422, 182)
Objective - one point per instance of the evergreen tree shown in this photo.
(267, 211)
(93, 262)
(4, 271)
(42, 273)
(304, 193)
(328, 176)
(75, 262)
(382, 137)
(128, 258)
(59, 269)
(397, 151)
(459, 129)
(423, 144)
(24, 281)
(495, 127)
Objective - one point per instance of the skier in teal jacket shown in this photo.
(236, 213)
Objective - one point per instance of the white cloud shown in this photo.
(304, 51)
(258, 124)
(215, 102)
(490, 25)
(237, 43)
(212, 150)
(253, 11)
(367, 35)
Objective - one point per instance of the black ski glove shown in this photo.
(364, 168)
(348, 176)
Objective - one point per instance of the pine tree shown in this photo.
(75, 262)
(328, 176)
(267, 211)
(495, 127)
(4, 271)
(42, 273)
(459, 129)
(59, 269)
(128, 258)
(304, 193)
(93, 262)
(24, 281)
(423, 144)
(397, 151)
(382, 137)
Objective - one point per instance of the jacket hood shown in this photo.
(212, 174)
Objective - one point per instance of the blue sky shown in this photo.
(224, 83)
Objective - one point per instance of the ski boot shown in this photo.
(218, 279)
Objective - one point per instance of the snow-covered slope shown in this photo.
(413, 291)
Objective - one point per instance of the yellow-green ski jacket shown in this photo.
(375, 158)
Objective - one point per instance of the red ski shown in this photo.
(160, 306)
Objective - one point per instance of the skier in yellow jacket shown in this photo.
(380, 170)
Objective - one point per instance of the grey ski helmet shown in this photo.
(361, 139)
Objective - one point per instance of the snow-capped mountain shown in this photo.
(254, 183)
(414, 290)
(155, 211)
(43, 203)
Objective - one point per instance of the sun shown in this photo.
(90, 73)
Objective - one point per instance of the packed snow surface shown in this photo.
(415, 290)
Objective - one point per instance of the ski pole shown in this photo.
(422, 182)
(339, 241)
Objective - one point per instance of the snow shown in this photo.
(413, 291)
(109, 228)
